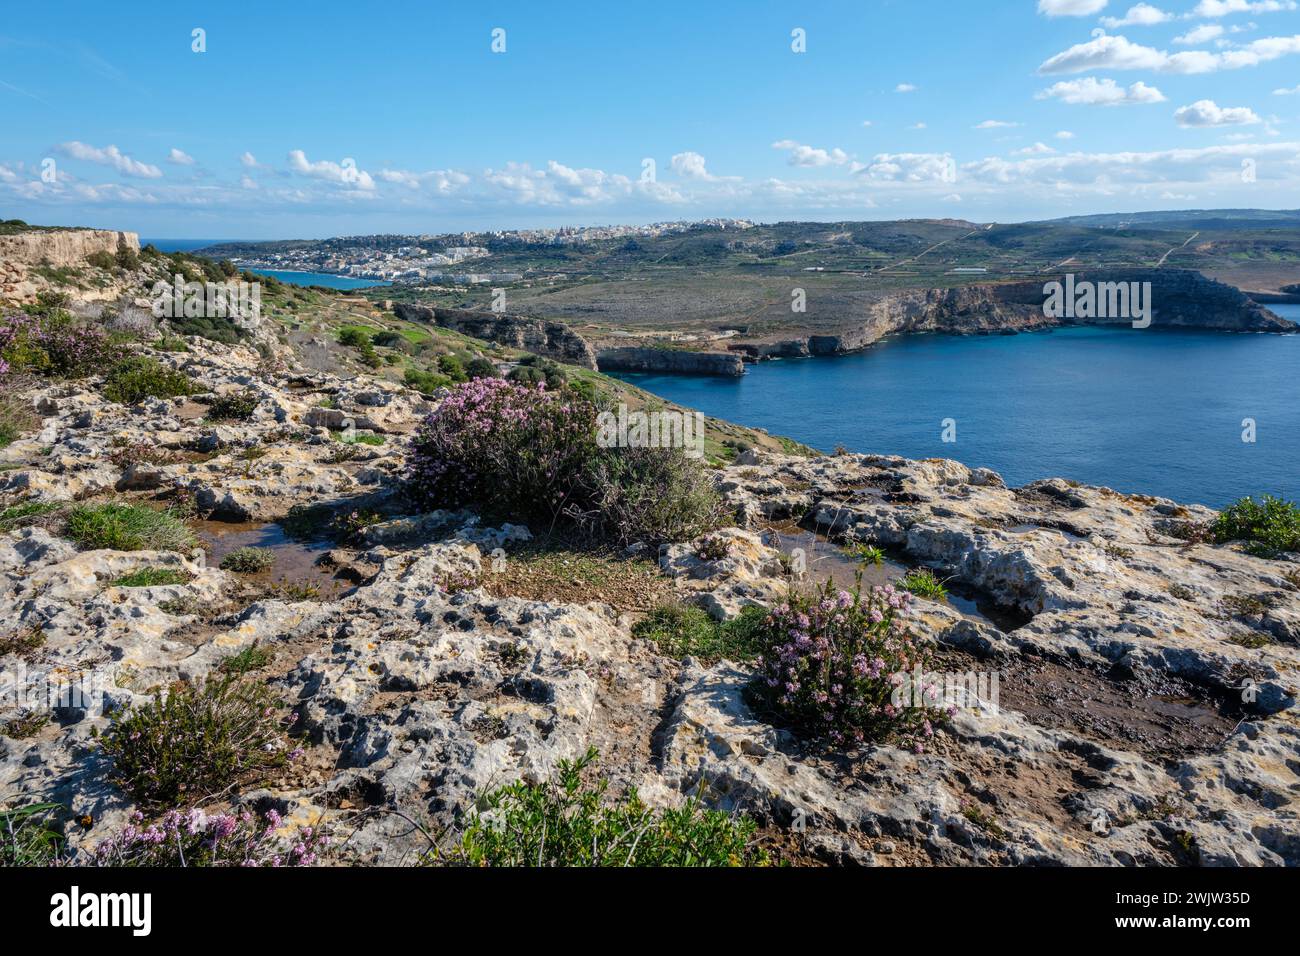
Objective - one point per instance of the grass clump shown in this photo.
(866, 555)
(197, 741)
(248, 560)
(27, 724)
(24, 643)
(16, 516)
(924, 583)
(568, 822)
(133, 380)
(150, 577)
(16, 418)
(127, 528)
(1268, 527)
(358, 438)
(253, 657)
(29, 837)
(681, 631)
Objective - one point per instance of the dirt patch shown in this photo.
(1164, 719)
(542, 572)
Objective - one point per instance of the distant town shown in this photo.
(438, 258)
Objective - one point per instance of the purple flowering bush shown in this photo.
(195, 838)
(50, 343)
(830, 663)
(197, 741)
(532, 454)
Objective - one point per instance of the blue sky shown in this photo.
(351, 118)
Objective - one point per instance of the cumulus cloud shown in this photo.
(1208, 113)
(1287, 92)
(1071, 8)
(801, 155)
(995, 124)
(1038, 149)
(911, 168)
(1142, 15)
(248, 160)
(1105, 52)
(443, 181)
(109, 156)
(346, 173)
(1065, 134)
(1202, 34)
(1108, 171)
(179, 157)
(905, 88)
(690, 165)
(1090, 91)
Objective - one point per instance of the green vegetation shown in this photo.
(16, 516)
(234, 406)
(682, 631)
(134, 379)
(196, 741)
(480, 367)
(29, 837)
(426, 383)
(150, 577)
(23, 643)
(1268, 528)
(867, 555)
(567, 822)
(252, 658)
(248, 560)
(16, 418)
(923, 583)
(123, 527)
(29, 723)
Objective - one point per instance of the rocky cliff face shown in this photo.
(56, 248)
(552, 340)
(1179, 298)
(675, 361)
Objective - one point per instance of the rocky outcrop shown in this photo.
(22, 252)
(675, 361)
(552, 340)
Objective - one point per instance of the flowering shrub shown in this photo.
(533, 454)
(493, 442)
(831, 661)
(50, 343)
(197, 740)
(134, 379)
(195, 838)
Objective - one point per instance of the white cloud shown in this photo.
(801, 155)
(1090, 91)
(109, 156)
(346, 174)
(866, 123)
(1142, 15)
(1285, 92)
(905, 88)
(248, 182)
(249, 160)
(918, 126)
(1065, 134)
(911, 167)
(1222, 8)
(1202, 34)
(1209, 113)
(690, 165)
(1038, 149)
(995, 124)
(179, 157)
(1105, 52)
(1071, 8)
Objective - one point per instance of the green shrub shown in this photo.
(681, 631)
(196, 741)
(212, 328)
(150, 577)
(568, 822)
(867, 555)
(649, 494)
(248, 560)
(355, 338)
(1268, 528)
(453, 368)
(253, 657)
(923, 583)
(234, 406)
(127, 528)
(102, 259)
(133, 380)
(481, 367)
(29, 837)
(426, 383)
(533, 369)
(16, 516)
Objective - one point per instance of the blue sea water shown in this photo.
(1142, 411)
(325, 279)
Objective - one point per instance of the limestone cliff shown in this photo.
(676, 361)
(22, 253)
(552, 340)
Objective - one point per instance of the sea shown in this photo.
(1196, 416)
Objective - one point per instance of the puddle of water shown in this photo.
(295, 561)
